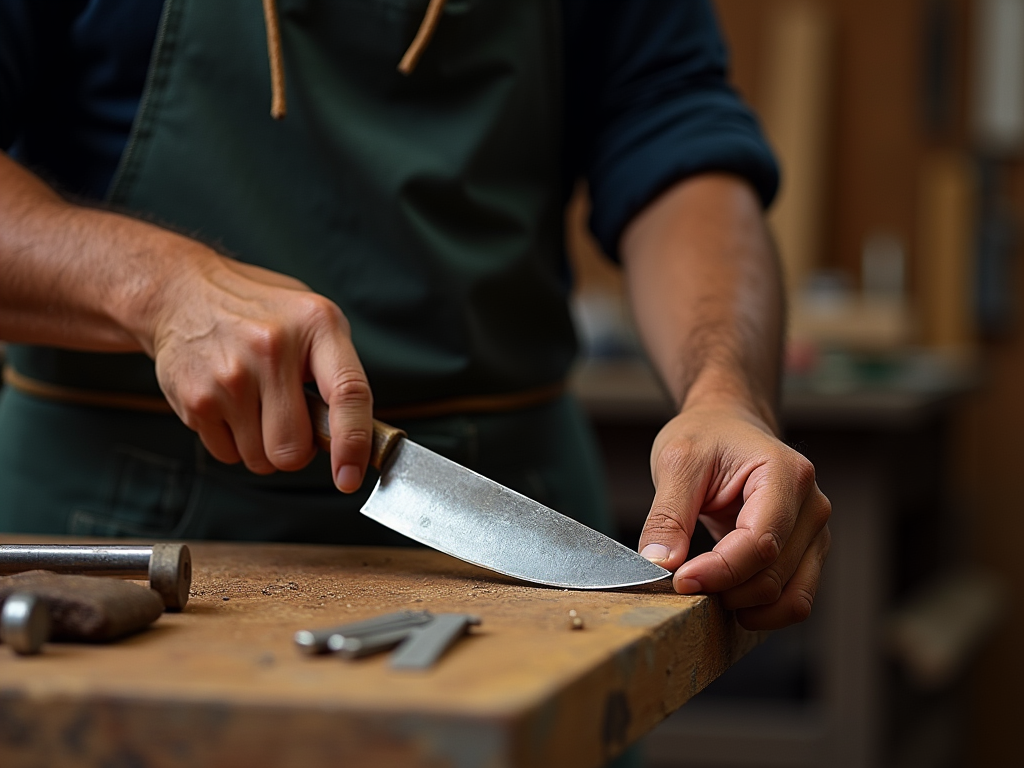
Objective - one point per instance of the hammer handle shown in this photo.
(167, 565)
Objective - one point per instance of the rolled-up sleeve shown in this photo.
(649, 103)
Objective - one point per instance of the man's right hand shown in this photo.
(233, 343)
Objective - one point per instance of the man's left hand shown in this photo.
(721, 464)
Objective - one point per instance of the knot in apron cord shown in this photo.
(278, 106)
(422, 39)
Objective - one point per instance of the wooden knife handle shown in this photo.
(385, 437)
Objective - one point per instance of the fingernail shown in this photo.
(688, 586)
(349, 478)
(655, 552)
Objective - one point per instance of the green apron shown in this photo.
(428, 207)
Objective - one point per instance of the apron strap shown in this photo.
(47, 391)
(423, 35)
(512, 401)
(475, 404)
(278, 103)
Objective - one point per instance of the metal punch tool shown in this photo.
(420, 636)
(333, 639)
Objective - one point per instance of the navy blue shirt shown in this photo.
(647, 97)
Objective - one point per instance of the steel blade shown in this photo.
(457, 511)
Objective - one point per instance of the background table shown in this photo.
(222, 684)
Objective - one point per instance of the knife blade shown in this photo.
(455, 510)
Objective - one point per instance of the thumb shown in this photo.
(680, 482)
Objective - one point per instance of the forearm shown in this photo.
(232, 343)
(79, 277)
(706, 291)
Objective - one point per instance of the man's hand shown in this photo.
(756, 496)
(707, 294)
(233, 343)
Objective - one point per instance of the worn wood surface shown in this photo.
(221, 684)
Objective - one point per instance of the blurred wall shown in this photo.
(989, 461)
(878, 138)
(897, 103)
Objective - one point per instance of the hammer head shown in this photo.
(24, 623)
(91, 608)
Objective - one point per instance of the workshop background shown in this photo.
(900, 126)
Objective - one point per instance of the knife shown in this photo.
(437, 502)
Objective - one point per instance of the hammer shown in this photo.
(38, 605)
(167, 566)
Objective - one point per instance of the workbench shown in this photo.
(222, 684)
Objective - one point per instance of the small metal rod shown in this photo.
(365, 645)
(314, 641)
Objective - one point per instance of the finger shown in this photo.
(681, 477)
(765, 522)
(242, 413)
(343, 385)
(766, 587)
(287, 432)
(199, 408)
(220, 442)
(797, 598)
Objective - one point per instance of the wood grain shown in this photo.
(221, 683)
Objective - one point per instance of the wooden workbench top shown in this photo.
(222, 684)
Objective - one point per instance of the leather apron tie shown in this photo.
(151, 404)
(278, 100)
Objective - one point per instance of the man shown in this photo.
(396, 241)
